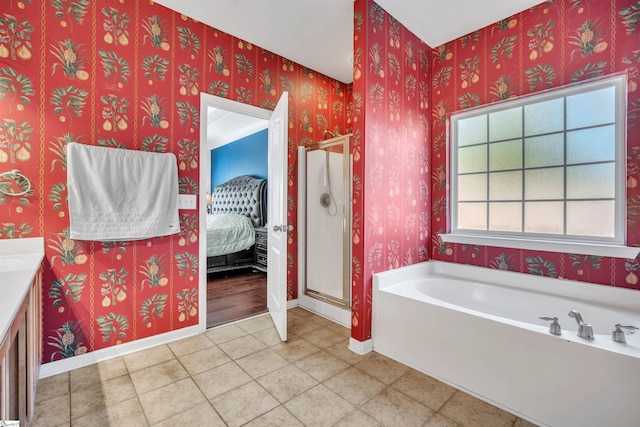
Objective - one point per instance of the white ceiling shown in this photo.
(439, 21)
(224, 127)
(319, 33)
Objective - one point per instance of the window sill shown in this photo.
(544, 245)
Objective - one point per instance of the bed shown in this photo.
(238, 209)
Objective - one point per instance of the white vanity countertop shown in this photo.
(19, 263)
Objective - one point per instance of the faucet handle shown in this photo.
(554, 327)
(617, 334)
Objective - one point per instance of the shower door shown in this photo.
(327, 213)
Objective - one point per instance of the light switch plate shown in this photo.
(186, 201)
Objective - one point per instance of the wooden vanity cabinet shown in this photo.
(20, 356)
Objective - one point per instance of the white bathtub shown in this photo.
(478, 330)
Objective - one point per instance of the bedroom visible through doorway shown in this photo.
(274, 256)
(236, 190)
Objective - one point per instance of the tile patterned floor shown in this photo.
(241, 374)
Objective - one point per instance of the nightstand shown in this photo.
(260, 251)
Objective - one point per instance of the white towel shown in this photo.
(117, 194)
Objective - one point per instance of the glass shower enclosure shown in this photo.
(324, 171)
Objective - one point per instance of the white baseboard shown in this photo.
(360, 347)
(71, 363)
(329, 311)
(292, 303)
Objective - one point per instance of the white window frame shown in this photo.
(614, 247)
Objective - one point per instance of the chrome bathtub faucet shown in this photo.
(554, 327)
(584, 329)
(617, 334)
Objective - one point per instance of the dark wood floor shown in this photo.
(234, 295)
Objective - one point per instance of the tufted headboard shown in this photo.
(242, 195)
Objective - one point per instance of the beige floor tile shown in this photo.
(93, 374)
(319, 406)
(225, 333)
(425, 389)
(256, 324)
(322, 321)
(241, 347)
(296, 321)
(201, 415)
(128, 412)
(369, 390)
(357, 418)
(190, 345)
(342, 352)
(295, 349)
(277, 417)
(268, 336)
(323, 337)
(149, 357)
(221, 379)
(471, 412)
(355, 386)
(301, 326)
(299, 312)
(382, 368)
(170, 400)
(439, 420)
(243, 404)
(157, 376)
(287, 382)
(340, 330)
(52, 412)
(321, 365)
(53, 386)
(203, 360)
(94, 397)
(392, 408)
(262, 362)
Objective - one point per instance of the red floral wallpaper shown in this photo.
(128, 73)
(392, 130)
(555, 43)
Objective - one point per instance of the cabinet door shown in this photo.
(34, 342)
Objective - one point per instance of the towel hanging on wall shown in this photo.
(117, 194)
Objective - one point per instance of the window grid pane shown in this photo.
(558, 168)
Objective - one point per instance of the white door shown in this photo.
(277, 226)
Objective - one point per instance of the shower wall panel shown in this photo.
(325, 224)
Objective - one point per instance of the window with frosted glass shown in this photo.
(549, 165)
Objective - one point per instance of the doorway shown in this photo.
(277, 140)
(236, 215)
